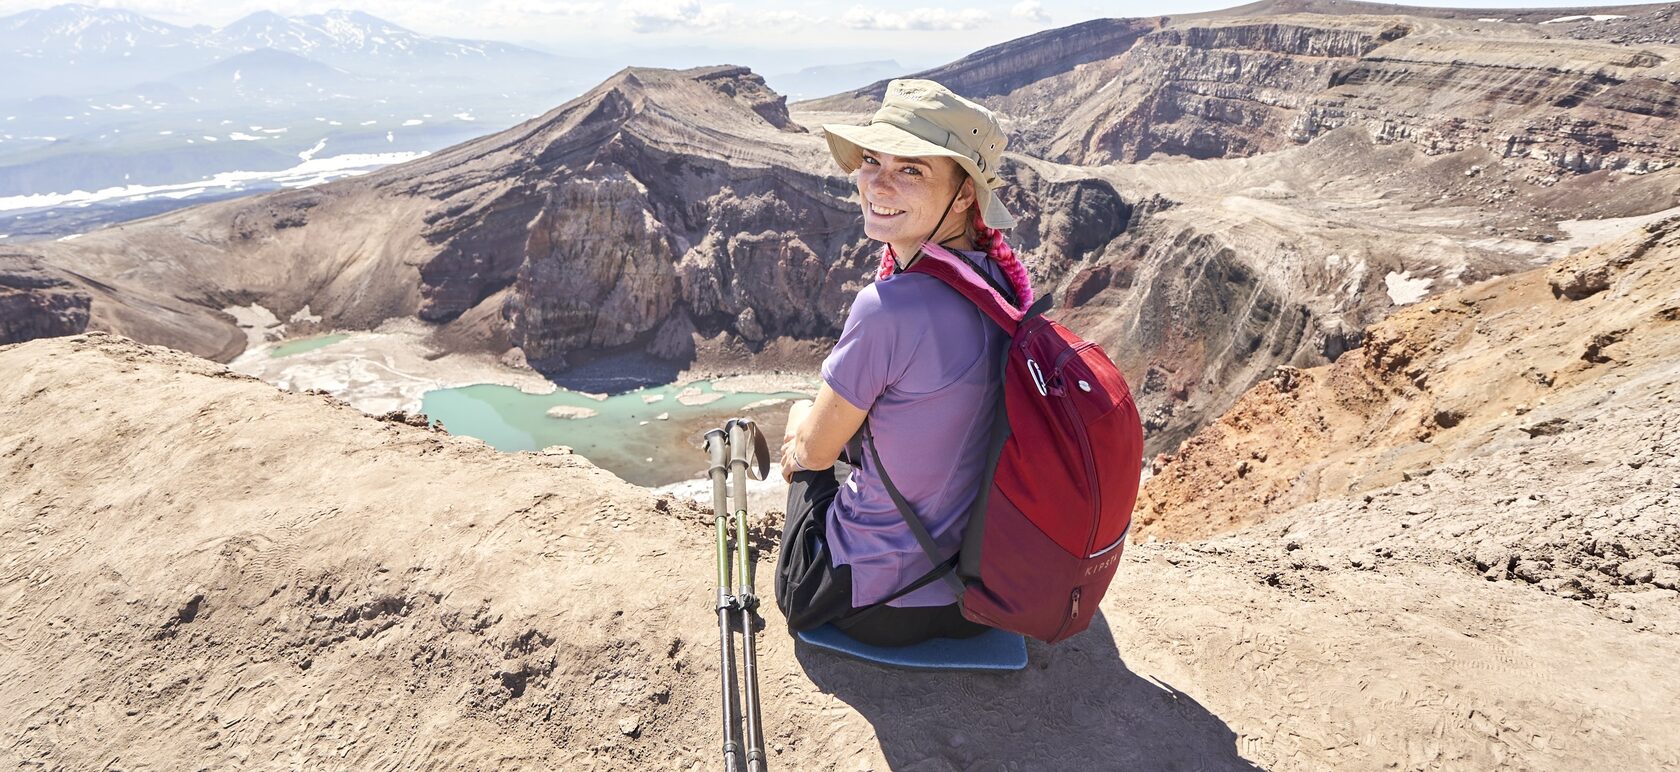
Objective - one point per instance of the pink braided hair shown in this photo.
(991, 239)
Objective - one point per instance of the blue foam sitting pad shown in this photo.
(991, 650)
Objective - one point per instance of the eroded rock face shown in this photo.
(1211, 91)
(36, 304)
(597, 271)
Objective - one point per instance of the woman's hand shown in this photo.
(796, 416)
(819, 431)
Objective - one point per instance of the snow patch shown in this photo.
(243, 137)
(1593, 17)
(258, 322)
(412, 122)
(464, 117)
(1403, 289)
(310, 153)
(310, 172)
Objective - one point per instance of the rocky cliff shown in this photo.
(1529, 425)
(36, 303)
(1571, 96)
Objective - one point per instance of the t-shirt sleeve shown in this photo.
(872, 353)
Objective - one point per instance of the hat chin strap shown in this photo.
(913, 258)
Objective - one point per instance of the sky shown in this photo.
(682, 32)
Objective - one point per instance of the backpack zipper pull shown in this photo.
(1075, 614)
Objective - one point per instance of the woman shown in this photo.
(918, 360)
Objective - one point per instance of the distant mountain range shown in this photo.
(98, 98)
(71, 49)
(822, 80)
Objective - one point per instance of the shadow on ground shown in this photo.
(1076, 706)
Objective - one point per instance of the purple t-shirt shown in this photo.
(925, 362)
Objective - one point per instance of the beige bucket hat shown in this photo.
(923, 118)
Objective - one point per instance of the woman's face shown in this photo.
(904, 196)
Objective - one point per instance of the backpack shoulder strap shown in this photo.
(963, 277)
(941, 568)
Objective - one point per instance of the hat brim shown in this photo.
(847, 144)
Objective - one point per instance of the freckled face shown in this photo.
(904, 196)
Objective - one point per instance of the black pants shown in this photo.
(811, 591)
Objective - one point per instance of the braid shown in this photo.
(886, 262)
(1000, 251)
(991, 240)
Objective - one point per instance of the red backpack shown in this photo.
(1044, 535)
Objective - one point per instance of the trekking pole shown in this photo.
(717, 451)
(748, 454)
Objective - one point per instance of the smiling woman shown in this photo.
(915, 358)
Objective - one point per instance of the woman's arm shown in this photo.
(819, 431)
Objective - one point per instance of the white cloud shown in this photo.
(859, 17)
(785, 19)
(1031, 10)
(647, 16)
(513, 13)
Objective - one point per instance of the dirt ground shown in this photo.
(204, 572)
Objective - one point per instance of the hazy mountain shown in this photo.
(69, 49)
(84, 47)
(112, 98)
(266, 73)
(354, 40)
(65, 32)
(826, 79)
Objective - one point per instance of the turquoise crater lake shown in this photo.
(615, 437)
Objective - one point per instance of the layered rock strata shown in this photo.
(1265, 76)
